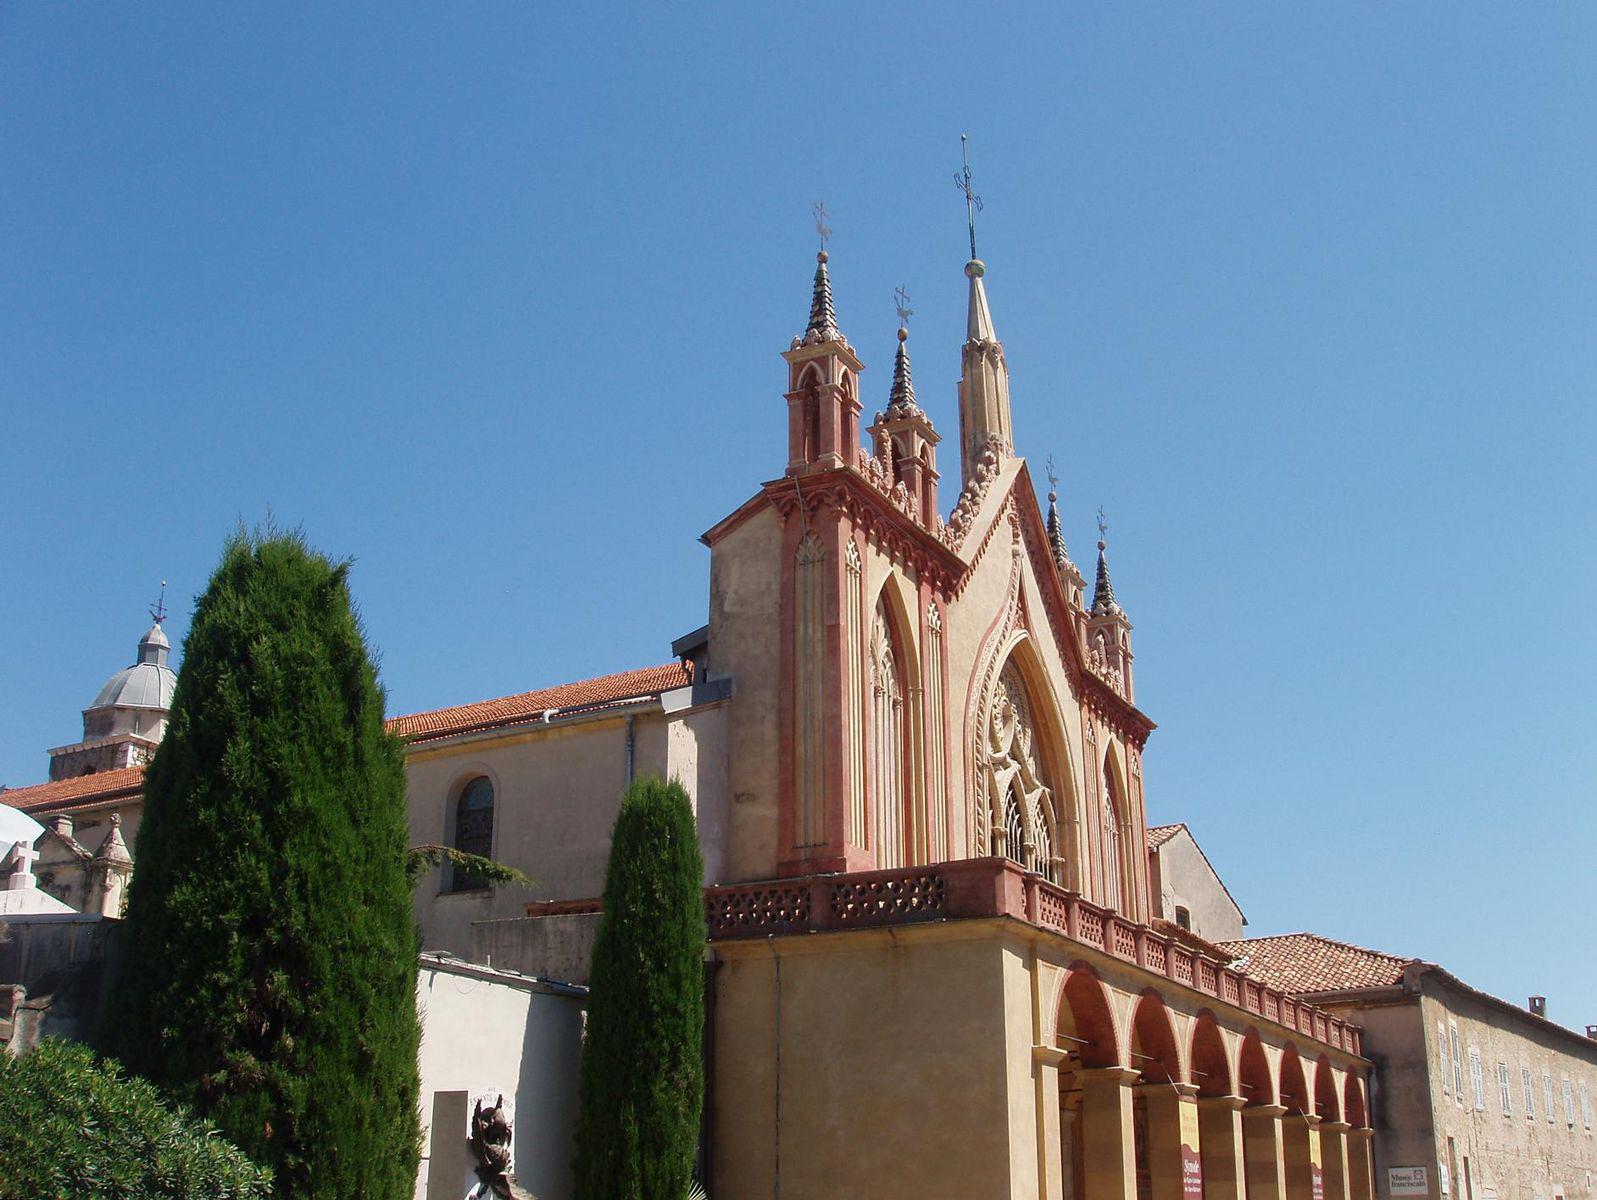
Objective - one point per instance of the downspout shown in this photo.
(630, 719)
(776, 958)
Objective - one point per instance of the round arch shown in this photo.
(1326, 1102)
(1253, 1071)
(1353, 1106)
(1153, 1041)
(1294, 1086)
(1211, 1066)
(1084, 1022)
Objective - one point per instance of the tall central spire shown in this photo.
(984, 375)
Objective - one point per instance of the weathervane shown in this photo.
(821, 227)
(158, 609)
(1053, 480)
(901, 304)
(1103, 528)
(972, 200)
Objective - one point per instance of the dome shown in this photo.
(148, 683)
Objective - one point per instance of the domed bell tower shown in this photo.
(127, 718)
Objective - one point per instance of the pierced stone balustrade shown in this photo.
(997, 887)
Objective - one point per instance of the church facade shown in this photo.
(937, 966)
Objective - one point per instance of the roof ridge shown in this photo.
(552, 687)
(1331, 941)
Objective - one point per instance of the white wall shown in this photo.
(485, 1032)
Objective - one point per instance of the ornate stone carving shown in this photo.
(1014, 779)
(971, 496)
(1098, 660)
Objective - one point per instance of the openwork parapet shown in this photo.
(996, 887)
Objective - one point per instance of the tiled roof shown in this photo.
(1307, 962)
(1158, 835)
(81, 791)
(512, 710)
(86, 791)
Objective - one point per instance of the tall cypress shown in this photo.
(642, 1064)
(270, 953)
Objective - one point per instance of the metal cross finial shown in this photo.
(972, 200)
(1103, 526)
(158, 609)
(821, 227)
(901, 304)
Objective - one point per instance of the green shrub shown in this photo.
(642, 1070)
(73, 1126)
(270, 978)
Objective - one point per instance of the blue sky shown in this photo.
(490, 298)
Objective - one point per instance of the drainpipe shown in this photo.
(629, 748)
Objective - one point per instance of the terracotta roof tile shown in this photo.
(1158, 835)
(512, 710)
(85, 791)
(1307, 962)
(81, 791)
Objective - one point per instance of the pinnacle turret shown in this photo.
(1056, 534)
(1103, 592)
(823, 318)
(901, 400)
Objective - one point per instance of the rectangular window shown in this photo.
(1441, 1049)
(1504, 1091)
(1530, 1093)
(1585, 1106)
(1477, 1084)
(1547, 1095)
(1458, 1060)
(1569, 1102)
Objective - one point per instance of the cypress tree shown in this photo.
(269, 948)
(642, 1066)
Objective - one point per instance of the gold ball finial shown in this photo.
(903, 334)
(821, 256)
(975, 268)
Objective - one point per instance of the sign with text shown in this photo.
(1316, 1166)
(1191, 1163)
(1408, 1181)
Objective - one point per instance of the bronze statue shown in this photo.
(490, 1142)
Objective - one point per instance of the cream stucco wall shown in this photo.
(1408, 1034)
(557, 789)
(745, 630)
(904, 1060)
(889, 1071)
(1180, 874)
(1511, 1157)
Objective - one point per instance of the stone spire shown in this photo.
(905, 442)
(983, 381)
(1056, 533)
(1103, 592)
(823, 319)
(901, 400)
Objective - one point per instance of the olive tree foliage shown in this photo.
(270, 948)
(642, 1063)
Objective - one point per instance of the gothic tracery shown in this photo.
(1019, 800)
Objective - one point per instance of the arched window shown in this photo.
(887, 746)
(1111, 838)
(1017, 776)
(474, 831)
